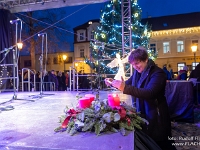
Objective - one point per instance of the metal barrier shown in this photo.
(28, 79)
(96, 81)
(47, 86)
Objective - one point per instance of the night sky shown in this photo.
(153, 8)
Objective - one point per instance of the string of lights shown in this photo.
(110, 33)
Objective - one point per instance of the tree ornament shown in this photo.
(136, 14)
(103, 35)
(110, 32)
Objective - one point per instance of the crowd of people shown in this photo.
(185, 74)
(57, 80)
(52, 80)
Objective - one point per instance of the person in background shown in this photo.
(172, 73)
(64, 87)
(147, 88)
(183, 74)
(53, 78)
(60, 81)
(168, 75)
(195, 78)
(196, 72)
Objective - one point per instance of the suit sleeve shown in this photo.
(151, 90)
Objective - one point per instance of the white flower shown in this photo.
(78, 123)
(116, 117)
(107, 117)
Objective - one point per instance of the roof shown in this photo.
(164, 22)
(173, 21)
(85, 25)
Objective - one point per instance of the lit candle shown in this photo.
(91, 96)
(113, 100)
(84, 102)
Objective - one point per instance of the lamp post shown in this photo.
(20, 45)
(76, 64)
(194, 49)
(64, 58)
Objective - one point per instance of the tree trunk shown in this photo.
(32, 53)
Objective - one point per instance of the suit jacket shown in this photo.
(148, 93)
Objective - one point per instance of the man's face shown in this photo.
(139, 65)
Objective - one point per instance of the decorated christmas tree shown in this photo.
(108, 37)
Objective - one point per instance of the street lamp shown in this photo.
(20, 45)
(64, 58)
(194, 49)
(76, 64)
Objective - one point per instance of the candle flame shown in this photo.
(114, 95)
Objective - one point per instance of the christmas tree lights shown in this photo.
(108, 37)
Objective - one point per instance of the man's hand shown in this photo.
(120, 84)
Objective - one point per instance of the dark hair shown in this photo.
(138, 54)
(197, 67)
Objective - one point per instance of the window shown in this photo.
(165, 24)
(180, 46)
(194, 42)
(166, 47)
(152, 47)
(81, 36)
(55, 60)
(193, 65)
(68, 60)
(92, 35)
(81, 52)
(180, 66)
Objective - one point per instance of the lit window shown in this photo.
(152, 47)
(81, 52)
(194, 65)
(92, 35)
(166, 47)
(194, 42)
(180, 66)
(180, 46)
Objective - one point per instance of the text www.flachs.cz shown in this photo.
(187, 144)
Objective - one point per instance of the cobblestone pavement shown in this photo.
(187, 135)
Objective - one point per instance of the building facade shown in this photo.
(54, 61)
(171, 37)
(83, 34)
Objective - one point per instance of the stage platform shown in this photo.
(30, 125)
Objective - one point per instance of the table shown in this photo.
(179, 95)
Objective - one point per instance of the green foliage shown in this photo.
(108, 37)
(100, 117)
